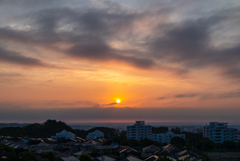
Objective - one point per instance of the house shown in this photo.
(105, 148)
(166, 137)
(185, 152)
(26, 140)
(104, 157)
(110, 143)
(70, 158)
(128, 150)
(169, 150)
(190, 158)
(94, 135)
(131, 158)
(149, 151)
(152, 158)
(64, 134)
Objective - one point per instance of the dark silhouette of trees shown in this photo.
(85, 157)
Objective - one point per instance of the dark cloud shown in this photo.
(99, 51)
(227, 95)
(161, 98)
(186, 95)
(202, 96)
(16, 58)
(9, 78)
(17, 112)
(110, 104)
(189, 44)
(91, 28)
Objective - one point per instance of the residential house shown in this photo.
(166, 137)
(94, 135)
(64, 134)
(149, 151)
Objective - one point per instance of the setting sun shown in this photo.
(118, 101)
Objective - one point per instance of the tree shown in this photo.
(178, 141)
(28, 156)
(176, 130)
(159, 129)
(165, 158)
(85, 157)
(123, 133)
(238, 144)
(7, 148)
(229, 144)
(48, 155)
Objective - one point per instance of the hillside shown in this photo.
(50, 128)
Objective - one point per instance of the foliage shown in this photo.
(178, 141)
(6, 148)
(204, 155)
(122, 140)
(159, 129)
(85, 157)
(50, 128)
(229, 145)
(2, 138)
(49, 155)
(176, 130)
(28, 156)
(123, 133)
(165, 158)
(238, 144)
(115, 152)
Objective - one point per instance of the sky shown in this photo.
(165, 60)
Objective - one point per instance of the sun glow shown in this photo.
(118, 101)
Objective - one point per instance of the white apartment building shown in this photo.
(219, 132)
(95, 134)
(139, 131)
(64, 134)
(166, 137)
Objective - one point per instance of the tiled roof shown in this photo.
(171, 148)
(151, 149)
(152, 158)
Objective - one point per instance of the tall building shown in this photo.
(139, 131)
(166, 137)
(219, 132)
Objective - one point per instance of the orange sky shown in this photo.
(156, 55)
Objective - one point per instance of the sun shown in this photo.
(118, 101)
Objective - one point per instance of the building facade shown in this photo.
(139, 131)
(94, 135)
(219, 132)
(166, 137)
(64, 134)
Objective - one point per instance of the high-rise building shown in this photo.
(139, 131)
(219, 132)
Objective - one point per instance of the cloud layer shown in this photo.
(96, 114)
(88, 34)
(148, 53)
